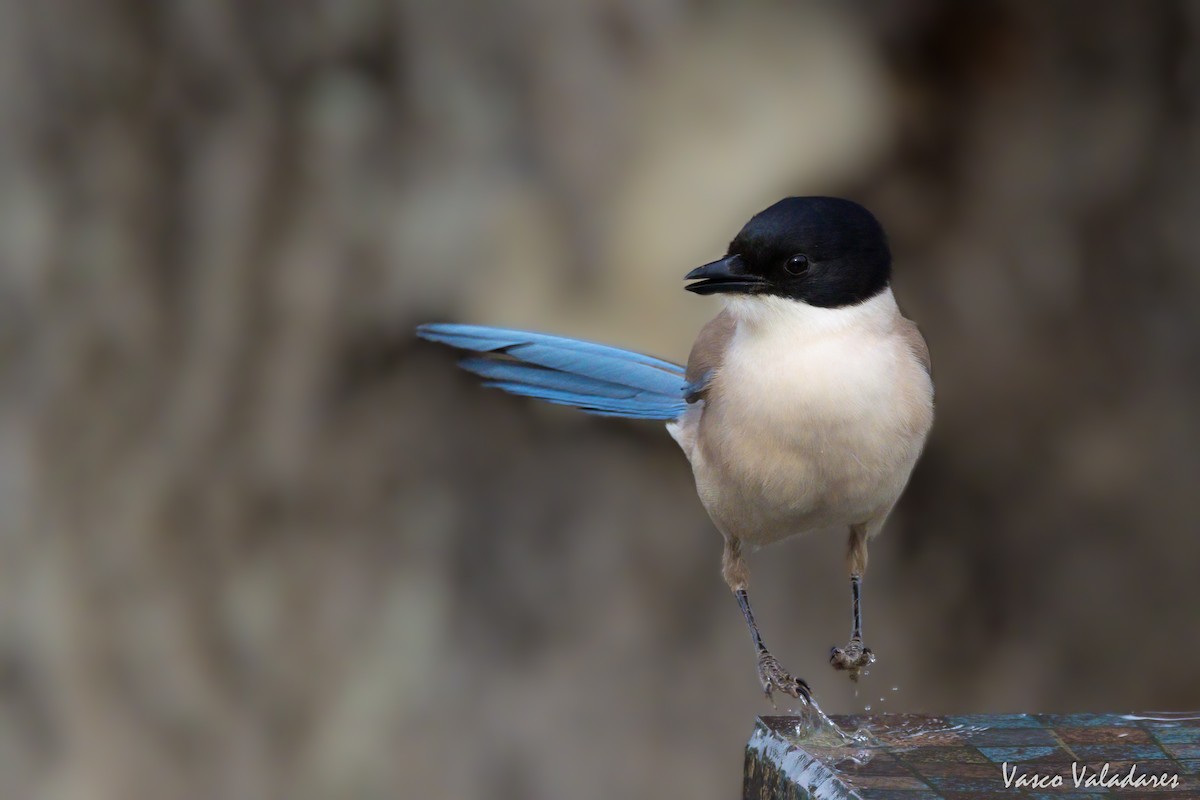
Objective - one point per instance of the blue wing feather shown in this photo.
(592, 377)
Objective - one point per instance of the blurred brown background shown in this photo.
(256, 541)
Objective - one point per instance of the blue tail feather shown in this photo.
(592, 377)
(497, 371)
(483, 338)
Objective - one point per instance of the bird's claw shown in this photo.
(773, 676)
(853, 658)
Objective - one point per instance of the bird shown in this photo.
(804, 404)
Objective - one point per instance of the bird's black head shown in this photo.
(823, 251)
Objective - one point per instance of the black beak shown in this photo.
(726, 275)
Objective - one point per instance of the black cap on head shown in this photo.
(823, 251)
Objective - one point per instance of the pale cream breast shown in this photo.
(814, 418)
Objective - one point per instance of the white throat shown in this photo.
(766, 314)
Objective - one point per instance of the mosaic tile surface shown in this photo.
(920, 757)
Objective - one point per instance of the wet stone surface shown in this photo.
(922, 757)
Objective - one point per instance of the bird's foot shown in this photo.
(773, 676)
(853, 658)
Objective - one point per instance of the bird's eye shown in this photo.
(796, 264)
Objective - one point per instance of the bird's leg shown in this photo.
(771, 673)
(854, 657)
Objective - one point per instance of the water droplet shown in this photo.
(814, 726)
(1164, 716)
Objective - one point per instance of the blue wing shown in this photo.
(592, 377)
